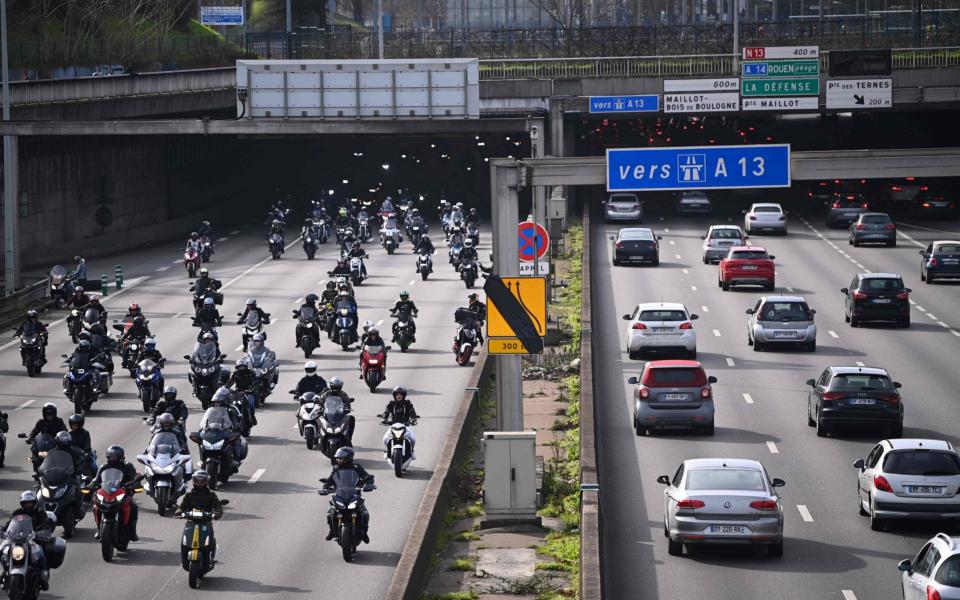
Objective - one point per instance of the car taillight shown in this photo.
(687, 325)
(864, 205)
(859, 296)
(859, 225)
(619, 244)
(924, 188)
(832, 396)
(903, 296)
(889, 226)
(932, 593)
(933, 261)
(691, 504)
(890, 398)
(781, 218)
(644, 392)
(836, 205)
(764, 504)
(705, 393)
(953, 205)
(910, 178)
(880, 482)
(925, 205)
(896, 188)
(639, 326)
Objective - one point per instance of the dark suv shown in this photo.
(876, 297)
(856, 396)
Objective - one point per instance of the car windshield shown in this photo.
(947, 249)
(749, 480)
(949, 572)
(766, 209)
(623, 199)
(875, 219)
(847, 202)
(636, 234)
(726, 234)
(879, 284)
(784, 311)
(662, 315)
(861, 381)
(921, 462)
(748, 255)
(675, 376)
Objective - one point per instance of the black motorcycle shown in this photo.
(215, 441)
(347, 504)
(468, 272)
(198, 545)
(19, 557)
(403, 329)
(310, 244)
(308, 329)
(334, 426)
(200, 295)
(206, 374)
(61, 285)
(82, 385)
(41, 445)
(60, 490)
(32, 354)
(343, 325)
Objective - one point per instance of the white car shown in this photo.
(719, 239)
(694, 202)
(765, 216)
(661, 327)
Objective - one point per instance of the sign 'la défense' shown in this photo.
(698, 168)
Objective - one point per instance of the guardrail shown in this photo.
(14, 305)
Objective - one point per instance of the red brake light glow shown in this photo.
(836, 205)
(705, 393)
(903, 296)
(864, 205)
(932, 593)
(831, 396)
(644, 392)
(859, 225)
(764, 504)
(691, 504)
(686, 325)
(859, 296)
(880, 482)
(639, 326)
(889, 226)
(933, 261)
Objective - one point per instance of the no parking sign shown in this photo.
(533, 241)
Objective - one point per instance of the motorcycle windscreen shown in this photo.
(44, 442)
(347, 481)
(333, 410)
(205, 353)
(253, 319)
(19, 529)
(164, 442)
(58, 273)
(216, 417)
(307, 314)
(56, 467)
(111, 479)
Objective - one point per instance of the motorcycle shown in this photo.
(341, 235)
(207, 327)
(307, 320)
(213, 441)
(415, 232)
(454, 255)
(61, 285)
(40, 447)
(275, 244)
(356, 270)
(308, 420)
(200, 296)
(191, 262)
(81, 385)
(399, 451)
(323, 230)
(310, 245)
(264, 367)
(148, 382)
(59, 490)
(363, 229)
(206, 249)
(20, 556)
(373, 368)
(424, 264)
(403, 329)
(112, 511)
(197, 545)
(343, 328)
(252, 326)
(31, 353)
(473, 232)
(205, 373)
(163, 471)
(468, 272)
(466, 336)
(347, 506)
(334, 426)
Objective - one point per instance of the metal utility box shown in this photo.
(510, 475)
(446, 88)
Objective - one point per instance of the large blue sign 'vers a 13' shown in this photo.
(698, 168)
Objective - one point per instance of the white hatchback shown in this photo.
(661, 327)
(765, 216)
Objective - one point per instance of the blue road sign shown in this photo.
(756, 69)
(698, 168)
(620, 104)
(221, 15)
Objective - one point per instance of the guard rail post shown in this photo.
(118, 276)
(104, 287)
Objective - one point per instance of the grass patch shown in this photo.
(466, 536)
(554, 566)
(468, 595)
(462, 564)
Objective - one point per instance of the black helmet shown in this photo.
(336, 384)
(97, 329)
(308, 397)
(28, 497)
(401, 391)
(331, 285)
(311, 298)
(344, 456)
(170, 393)
(76, 420)
(166, 421)
(85, 335)
(49, 410)
(138, 320)
(64, 441)
(84, 346)
(200, 479)
(473, 211)
(472, 297)
(356, 244)
(241, 365)
(114, 455)
(32, 314)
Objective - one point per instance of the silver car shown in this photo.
(722, 501)
(777, 320)
(765, 216)
(909, 479)
(719, 239)
(934, 572)
(623, 207)
(694, 202)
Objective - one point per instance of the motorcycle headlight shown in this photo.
(308, 325)
(167, 469)
(57, 492)
(338, 429)
(397, 433)
(352, 504)
(204, 371)
(144, 376)
(18, 553)
(338, 504)
(148, 470)
(45, 492)
(121, 496)
(214, 446)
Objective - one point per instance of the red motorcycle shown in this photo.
(373, 367)
(113, 510)
(191, 260)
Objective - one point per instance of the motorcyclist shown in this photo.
(344, 285)
(95, 304)
(170, 404)
(413, 219)
(343, 461)
(348, 240)
(456, 213)
(137, 331)
(102, 344)
(150, 352)
(310, 303)
(49, 423)
(387, 206)
(206, 339)
(194, 242)
(342, 268)
(443, 209)
(477, 307)
(80, 438)
(203, 498)
(221, 399)
(329, 295)
(82, 358)
(117, 460)
(242, 380)
(276, 226)
(30, 507)
(405, 303)
(345, 300)
(357, 251)
(472, 218)
(33, 326)
(251, 306)
(469, 252)
(374, 344)
(133, 311)
(168, 423)
(309, 229)
(78, 299)
(80, 273)
(342, 220)
(208, 317)
(424, 246)
(204, 283)
(311, 381)
(400, 410)
(65, 444)
(206, 231)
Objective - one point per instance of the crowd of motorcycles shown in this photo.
(69, 482)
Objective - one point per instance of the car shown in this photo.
(747, 265)
(941, 260)
(722, 501)
(780, 320)
(719, 239)
(876, 297)
(934, 572)
(661, 327)
(905, 190)
(912, 479)
(673, 394)
(623, 207)
(636, 244)
(694, 202)
(856, 396)
(845, 208)
(765, 216)
(935, 204)
(872, 228)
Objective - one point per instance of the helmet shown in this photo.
(356, 243)
(114, 455)
(473, 211)
(425, 238)
(94, 299)
(344, 456)
(204, 272)
(28, 497)
(373, 331)
(336, 384)
(84, 346)
(308, 221)
(308, 397)
(170, 393)
(343, 212)
(276, 221)
(349, 231)
(344, 294)
(138, 320)
(206, 302)
(166, 421)
(78, 289)
(252, 302)
(200, 479)
(85, 335)
(367, 324)
(459, 204)
(311, 298)
(32, 314)
(331, 285)
(64, 439)
(415, 211)
(472, 296)
(468, 243)
(150, 344)
(310, 367)
(208, 337)
(134, 307)
(399, 390)
(258, 337)
(194, 235)
(404, 295)
(97, 329)
(205, 223)
(76, 420)
(221, 395)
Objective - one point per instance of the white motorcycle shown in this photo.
(164, 470)
(400, 443)
(308, 420)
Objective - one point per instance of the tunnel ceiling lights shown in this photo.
(385, 167)
(344, 181)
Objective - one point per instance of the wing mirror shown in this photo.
(777, 482)
(772, 257)
(897, 384)
(922, 253)
(703, 237)
(844, 290)
(749, 311)
(812, 312)
(859, 464)
(224, 502)
(811, 383)
(626, 317)
(664, 479)
(711, 379)
(694, 317)
(905, 565)
(907, 290)
(633, 380)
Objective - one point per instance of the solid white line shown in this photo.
(685, 271)
(161, 269)
(911, 240)
(256, 475)
(942, 324)
(25, 404)
(860, 363)
(178, 315)
(176, 262)
(730, 362)
(848, 595)
(804, 513)
(772, 448)
(298, 302)
(380, 322)
(235, 232)
(748, 398)
(955, 332)
(705, 309)
(913, 302)
(716, 333)
(693, 288)
(833, 334)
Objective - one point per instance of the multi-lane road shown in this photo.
(271, 538)
(830, 551)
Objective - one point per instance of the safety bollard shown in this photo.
(104, 288)
(118, 276)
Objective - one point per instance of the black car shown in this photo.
(876, 297)
(935, 204)
(636, 244)
(855, 396)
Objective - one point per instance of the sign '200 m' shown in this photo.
(698, 168)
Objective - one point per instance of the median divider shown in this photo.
(412, 570)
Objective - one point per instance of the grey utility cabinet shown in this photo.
(510, 477)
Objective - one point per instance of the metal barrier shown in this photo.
(13, 307)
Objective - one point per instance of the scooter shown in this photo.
(308, 419)
(334, 426)
(373, 368)
(399, 451)
(198, 554)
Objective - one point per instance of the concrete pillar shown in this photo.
(11, 216)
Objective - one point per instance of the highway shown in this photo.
(830, 551)
(271, 539)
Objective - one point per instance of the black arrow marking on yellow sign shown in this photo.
(514, 313)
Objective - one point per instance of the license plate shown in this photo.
(852, 215)
(784, 334)
(725, 529)
(924, 489)
(881, 300)
(663, 329)
(674, 396)
(863, 401)
(749, 267)
(951, 261)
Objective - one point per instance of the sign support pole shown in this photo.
(11, 164)
(509, 382)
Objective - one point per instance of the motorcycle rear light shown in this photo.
(910, 178)
(687, 325)
(705, 393)
(925, 205)
(880, 482)
(896, 188)
(924, 188)
(764, 504)
(688, 503)
(639, 326)
(644, 392)
(859, 296)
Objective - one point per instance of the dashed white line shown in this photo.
(704, 309)
(942, 324)
(223, 239)
(25, 404)
(380, 322)
(748, 398)
(176, 262)
(685, 271)
(911, 240)
(235, 232)
(693, 288)
(804, 513)
(730, 362)
(666, 230)
(860, 363)
(673, 243)
(256, 475)
(772, 447)
(161, 269)
(955, 332)
(412, 281)
(789, 289)
(848, 595)
(859, 266)
(913, 302)
(238, 348)
(933, 316)
(921, 309)
(678, 257)
(298, 302)
(833, 334)
(177, 316)
(716, 333)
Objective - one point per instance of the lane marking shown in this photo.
(685, 271)
(693, 288)
(412, 281)
(921, 309)
(848, 595)
(262, 262)
(748, 398)
(833, 334)
(161, 269)
(730, 362)
(859, 266)
(223, 239)
(380, 322)
(705, 309)
(933, 316)
(238, 348)
(910, 239)
(804, 513)
(256, 475)
(176, 262)
(860, 363)
(789, 289)
(235, 232)
(913, 302)
(25, 404)
(678, 256)
(716, 333)
(666, 229)
(177, 316)
(942, 324)
(298, 302)
(772, 447)
(673, 243)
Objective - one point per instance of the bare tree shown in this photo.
(567, 14)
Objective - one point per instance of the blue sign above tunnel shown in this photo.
(624, 104)
(698, 168)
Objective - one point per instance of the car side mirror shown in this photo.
(664, 479)
(749, 311)
(611, 238)
(694, 317)
(905, 565)
(711, 379)
(897, 384)
(859, 464)
(772, 257)
(703, 237)
(777, 482)
(659, 237)
(633, 380)
(907, 290)
(224, 502)
(813, 312)
(186, 357)
(811, 382)
(626, 317)
(844, 290)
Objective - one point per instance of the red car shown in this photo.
(747, 265)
